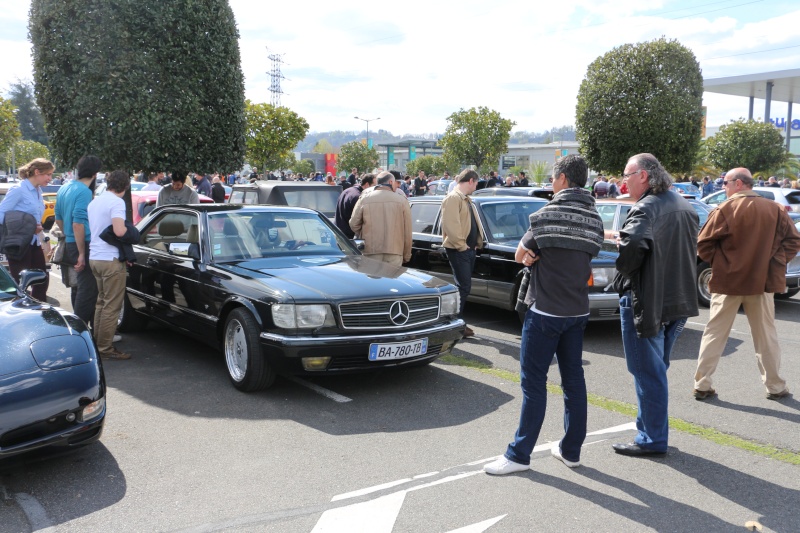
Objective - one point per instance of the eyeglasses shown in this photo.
(629, 174)
(726, 182)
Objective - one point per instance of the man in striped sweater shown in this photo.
(559, 246)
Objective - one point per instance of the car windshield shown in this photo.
(507, 222)
(323, 200)
(251, 235)
(8, 289)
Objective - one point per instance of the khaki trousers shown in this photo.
(392, 259)
(110, 276)
(760, 311)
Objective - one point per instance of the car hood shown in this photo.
(39, 336)
(340, 278)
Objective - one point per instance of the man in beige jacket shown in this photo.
(377, 217)
(461, 234)
(747, 240)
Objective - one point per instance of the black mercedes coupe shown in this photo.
(52, 387)
(282, 291)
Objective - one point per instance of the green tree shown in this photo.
(31, 122)
(9, 127)
(638, 98)
(757, 146)
(432, 165)
(478, 136)
(143, 84)
(323, 146)
(304, 167)
(272, 132)
(355, 154)
(25, 151)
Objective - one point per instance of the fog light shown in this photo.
(71, 417)
(315, 363)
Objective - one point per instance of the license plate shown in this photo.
(398, 350)
(3, 259)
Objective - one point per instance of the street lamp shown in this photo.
(367, 120)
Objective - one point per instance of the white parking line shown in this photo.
(379, 515)
(321, 390)
(37, 516)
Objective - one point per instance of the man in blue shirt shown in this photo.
(72, 202)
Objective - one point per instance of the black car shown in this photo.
(52, 388)
(496, 277)
(310, 194)
(282, 290)
(535, 192)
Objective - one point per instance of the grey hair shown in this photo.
(659, 179)
(385, 177)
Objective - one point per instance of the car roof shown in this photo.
(274, 184)
(218, 208)
(479, 199)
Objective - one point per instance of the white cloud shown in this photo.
(414, 63)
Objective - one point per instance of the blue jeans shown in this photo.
(462, 264)
(543, 336)
(648, 361)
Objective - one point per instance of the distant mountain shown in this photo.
(338, 138)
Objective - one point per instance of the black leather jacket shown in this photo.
(658, 260)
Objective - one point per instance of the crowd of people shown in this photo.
(747, 240)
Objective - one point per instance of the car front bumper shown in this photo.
(603, 306)
(349, 353)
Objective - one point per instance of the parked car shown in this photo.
(438, 188)
(614, 211)
(534, 192)
(52, 387)
(143, 202)
(315, 195)
(788, 198)
(687, 189)
(282, 290)
(496, 277)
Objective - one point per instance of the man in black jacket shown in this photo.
(656, 283)
(347, 202)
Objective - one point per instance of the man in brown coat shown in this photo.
(383, 219)
(748, 240)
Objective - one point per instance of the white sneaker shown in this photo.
(555, 451)
(502, 466)
(116, 338)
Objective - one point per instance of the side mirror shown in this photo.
(185, 249)
(31, 277)
(359, 244)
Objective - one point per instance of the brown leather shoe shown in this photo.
(778, 395)
(704, 394)
(468, 332)
(115, 354)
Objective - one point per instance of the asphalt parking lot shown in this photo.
(403, 451)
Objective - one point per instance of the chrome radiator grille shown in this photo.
(389, 314)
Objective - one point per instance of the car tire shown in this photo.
(703, 277)
(247, 368)
(129, 320)
(786, 295)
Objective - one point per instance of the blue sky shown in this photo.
(413, 63)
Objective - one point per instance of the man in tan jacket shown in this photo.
(378, 215)
(747, 240)
(461, 234)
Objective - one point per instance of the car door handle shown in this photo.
(152, 261)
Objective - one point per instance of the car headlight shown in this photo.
(602, 276)
(450, 303)
(93, 410)
(291, 316)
